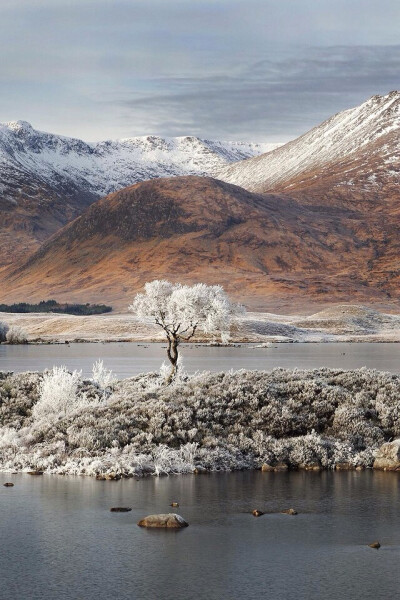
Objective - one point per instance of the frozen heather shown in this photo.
(60, 424)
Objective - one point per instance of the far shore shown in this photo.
(343, 323)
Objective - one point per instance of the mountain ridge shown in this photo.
(46, 180)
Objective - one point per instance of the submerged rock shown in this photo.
(289, 511)
(8, 484)
(388, 457)
(167, 521)
(120, 509)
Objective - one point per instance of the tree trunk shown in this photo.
(172, 352)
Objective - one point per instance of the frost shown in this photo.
(59, 423)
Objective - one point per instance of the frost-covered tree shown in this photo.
(16, 335)
(183, 310)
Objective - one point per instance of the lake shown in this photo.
(127, 359)
(60, 542)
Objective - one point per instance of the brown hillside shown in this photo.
(269, 251)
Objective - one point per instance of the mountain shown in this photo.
(268, 250)
(353, 156)
(46, 180)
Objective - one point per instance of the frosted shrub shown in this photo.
(58, 394)
(3, 331)
(103, 377)
(16, 335)
(219, 421)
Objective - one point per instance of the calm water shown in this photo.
(60, 542)
(129, 359)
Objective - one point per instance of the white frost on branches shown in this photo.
(183, 310)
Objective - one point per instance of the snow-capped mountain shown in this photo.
(47, 180)
(104, 167)
(358, 147)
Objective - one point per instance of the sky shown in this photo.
(256, 70)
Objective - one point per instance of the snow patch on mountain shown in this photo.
(367, 129)
(28, 156)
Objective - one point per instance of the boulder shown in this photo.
(387, 457)
(289, 511)
(8, 484)
(120, 509)
(166, 521)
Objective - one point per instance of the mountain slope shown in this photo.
(267, 250)
(354, 152)
(46, 180)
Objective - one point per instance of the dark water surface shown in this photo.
(127, 359)
(60, 542)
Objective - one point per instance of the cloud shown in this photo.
(248, 69)
(275, 98)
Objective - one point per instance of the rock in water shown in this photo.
(289, 511)
(8, 484)
(120, 509)
(167, 521)
(375, 545)
(388, 456)
(257, 513)
(174, 504)
(35, 472)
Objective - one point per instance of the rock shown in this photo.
(174, 504)
(8, 484)
(108, 477)
(344, 466)
(257, 513)
(280, 467)
(199, 469)
(35, 472)
(120, 509)
(167, 521)
(265, 468)
(375, 545)
(289, 511)
(310, 467)
(388, 457)
(360, 468)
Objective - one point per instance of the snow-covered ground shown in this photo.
(339, 323)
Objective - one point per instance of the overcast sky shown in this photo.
(265, 70)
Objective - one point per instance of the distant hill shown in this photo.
(47, 180)
(269, 251)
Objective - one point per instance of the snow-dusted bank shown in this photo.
(58, 423)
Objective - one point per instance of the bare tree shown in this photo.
(182, 310)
